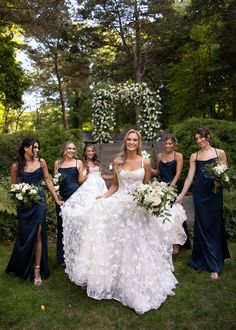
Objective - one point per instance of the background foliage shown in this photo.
(51, 141)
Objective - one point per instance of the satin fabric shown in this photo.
(69, 186)
(167, 173)
(210, 244)
(30, 218)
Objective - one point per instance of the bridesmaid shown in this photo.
(210, 244)
(31, 243)
(72, 171)
(169, 168)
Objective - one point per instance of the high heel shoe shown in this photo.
(37, 278)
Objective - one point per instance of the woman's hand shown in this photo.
(60, 203)
(101, 196)
(179, 200)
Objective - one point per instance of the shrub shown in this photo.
(50, 141)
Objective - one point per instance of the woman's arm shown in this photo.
(107, 177)
(49, 183)
(189, 179)
(147, 168)
(179, 167)
(156, 171)
(56, 167)
(81, 170)
(14, 173)
(222, 156)
(114, 187)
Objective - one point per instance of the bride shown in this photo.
(113, 247)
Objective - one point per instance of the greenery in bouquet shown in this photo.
(219, 173)
(25, 194)
(156, 197)
(146, 155)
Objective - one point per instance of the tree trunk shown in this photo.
(61, 92)
(137, 60)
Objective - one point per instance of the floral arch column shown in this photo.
(104, 104)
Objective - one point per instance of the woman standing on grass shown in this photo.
(209, 245)
(29, 259)
(71, 170)
(169, 167)
(120, 252)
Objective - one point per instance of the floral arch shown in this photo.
(104, 104)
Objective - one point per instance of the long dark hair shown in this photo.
(20, 158)
(203, 132)
(95, 158)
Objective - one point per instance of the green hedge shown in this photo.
(50, 141)
(223, 136)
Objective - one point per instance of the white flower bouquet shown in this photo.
(58, 180)
(146, 155)
(156, 198)
(217, 172)
(25, 193)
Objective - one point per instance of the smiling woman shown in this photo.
(72, 171)
(113, 247)
(209, 245)
(31, 243)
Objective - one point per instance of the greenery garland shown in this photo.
(104, 104)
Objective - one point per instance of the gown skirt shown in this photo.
(29, 219)
(117, 251)
(210, 244)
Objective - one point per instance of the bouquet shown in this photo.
(155, 197)
(217, 172)
(57, 180)
(25, 193)
(146, 155)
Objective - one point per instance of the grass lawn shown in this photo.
(199, 302)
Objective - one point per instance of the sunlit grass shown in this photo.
(199, 303)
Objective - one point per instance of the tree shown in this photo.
(58, 62)
(132, 30)
(13, 82)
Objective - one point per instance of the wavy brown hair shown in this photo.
(203, 132)
(95, 159)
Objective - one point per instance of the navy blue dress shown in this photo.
(22, 258)
(67, 188)
(210, 244)
(167, 173)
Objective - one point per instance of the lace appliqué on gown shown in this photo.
(115, 249)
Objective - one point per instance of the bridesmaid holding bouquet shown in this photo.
(210, 244)
(29, 259)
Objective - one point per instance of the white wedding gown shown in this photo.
(115, 249)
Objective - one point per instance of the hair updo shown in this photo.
(169, 136)
(203, 132)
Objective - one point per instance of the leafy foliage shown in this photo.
(50, 143)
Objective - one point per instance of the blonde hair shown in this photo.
(120, 159)
(63, 149)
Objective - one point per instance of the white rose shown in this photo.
(19, 196)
